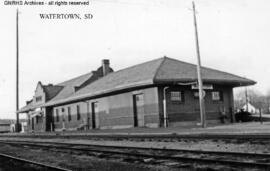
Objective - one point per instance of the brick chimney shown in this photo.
(105, 66)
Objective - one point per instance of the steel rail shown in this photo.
(68, 146)
(33, 143)
(206, 136)
(33, 162)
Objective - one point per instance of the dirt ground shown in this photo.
(74, 161)
(242, 128)
(235, 128)
(83, 162)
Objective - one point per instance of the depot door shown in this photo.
(33, 120)
(138, 106)
(95, 119)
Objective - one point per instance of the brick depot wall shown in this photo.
(188, 111)
(39, 93)
(39, 122)
(115, 111)
(74, 123)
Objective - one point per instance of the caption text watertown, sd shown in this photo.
(66, 16)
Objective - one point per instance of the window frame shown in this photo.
(220, 95)
(57, 115)
(174, 99)
(38, 98)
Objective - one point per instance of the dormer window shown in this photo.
(76, 88)
(38, 98)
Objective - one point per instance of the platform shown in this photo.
(231, 129)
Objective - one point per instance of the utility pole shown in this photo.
(17, 127)
(201, 98)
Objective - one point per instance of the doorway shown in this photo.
(138, 108)
(33, 127)
(95, 119)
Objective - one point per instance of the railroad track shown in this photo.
(238, 138)
(40, 165)
(236, 159)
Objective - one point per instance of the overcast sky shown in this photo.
(234, 36)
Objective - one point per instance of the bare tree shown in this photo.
(256, 98)
(268, 101)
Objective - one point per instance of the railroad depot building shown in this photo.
(143, 95)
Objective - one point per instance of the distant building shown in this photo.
(143, 95)
(250, 108)
(5, 126)
(23, 123)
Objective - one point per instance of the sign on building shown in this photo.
(205, 86)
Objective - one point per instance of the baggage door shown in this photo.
(138, 102)
(95, 118)
(32, 123)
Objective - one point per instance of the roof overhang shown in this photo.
(99, 93)
(29, 108)
(36, 113)
(232, 83)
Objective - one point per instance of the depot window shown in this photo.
(69, 114)
(177, 96)
(217, 96)
(57, 115)
(78, 113)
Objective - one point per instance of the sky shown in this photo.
(233, 35)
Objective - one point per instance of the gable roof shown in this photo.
(26, 108)
(59, 91)
(178, 71)
(51, 90)
(137, 75)
(158, 71)
(68, 86)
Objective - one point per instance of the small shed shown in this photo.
(5, 126)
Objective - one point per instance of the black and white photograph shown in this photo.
(134, 85)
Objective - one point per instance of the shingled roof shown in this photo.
(159, 71)
(172, 70)
(62, 90)
(26, 108)
(51, 90)
(69, 86)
